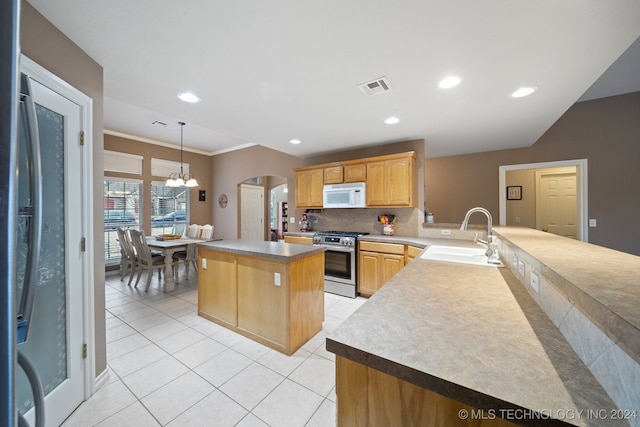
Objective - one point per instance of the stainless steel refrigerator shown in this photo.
(20, 208)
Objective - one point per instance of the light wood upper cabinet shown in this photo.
(390, 183)
(355, 173)
(389, 178)
(333, 175)
(309, 185)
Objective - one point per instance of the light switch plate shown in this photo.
(204, 263)
(593, 222)
(292, 220)
(276, 279)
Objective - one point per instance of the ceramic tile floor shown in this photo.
(170, 367)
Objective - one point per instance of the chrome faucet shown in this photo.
(490, 243)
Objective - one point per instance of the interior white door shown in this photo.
(251, 212)
(55, 341)
(557, 203)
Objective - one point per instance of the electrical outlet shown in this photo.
(593, 222)
(521, 267)
(276, 279)
(204, 263)
(514, 261)
(445, 232)
(292, 220)
(535, 282)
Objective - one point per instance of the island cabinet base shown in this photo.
(277, 303)
(368, 397)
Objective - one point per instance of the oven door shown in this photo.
(340, 264)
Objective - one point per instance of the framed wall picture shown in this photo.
(514, 192)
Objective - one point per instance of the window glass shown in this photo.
(122, 208)
(169, 209)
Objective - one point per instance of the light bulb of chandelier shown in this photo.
(191, 182)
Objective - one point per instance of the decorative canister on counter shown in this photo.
(429, 216)
(387, 224)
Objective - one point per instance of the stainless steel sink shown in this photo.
(462, 255)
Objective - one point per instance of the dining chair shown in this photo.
(193, 230)
(206, 232)
(188, 257)
(146, 260)
(128, 260)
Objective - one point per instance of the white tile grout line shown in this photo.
(140, 298)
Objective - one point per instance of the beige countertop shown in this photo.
(602, 282)
(274, 250)
(474, 334)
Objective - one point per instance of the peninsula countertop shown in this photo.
(274, 250)
(473, 334)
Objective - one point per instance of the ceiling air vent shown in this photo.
(375, 87)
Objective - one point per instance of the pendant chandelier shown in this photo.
(181, 179)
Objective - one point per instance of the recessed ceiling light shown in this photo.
(391, 120)
(295, 141)
(449, 82)
(523, 91)
(188, 97)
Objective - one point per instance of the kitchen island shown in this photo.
(443, 339)
(271, 292)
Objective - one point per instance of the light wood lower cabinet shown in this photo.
(299, 239)
(368, 397)
(277, 303)
(218, 287)
(411, 253)
(377, 263)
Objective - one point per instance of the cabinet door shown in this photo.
(368, 266)
(316, 184)
(398, 181)
(355, 173)
(376, 190)
(333, 175)
(302, 188)
(263, 308)
(309, 186)
(217, 286)
(390, 265)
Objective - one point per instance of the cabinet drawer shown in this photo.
(413, 251)
(389, 248)
(299, 240)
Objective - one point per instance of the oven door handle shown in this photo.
(338, 248)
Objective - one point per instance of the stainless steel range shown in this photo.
(340, 261)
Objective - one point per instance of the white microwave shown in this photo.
(344, 195)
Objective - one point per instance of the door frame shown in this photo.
(45, 77)
(581, 182)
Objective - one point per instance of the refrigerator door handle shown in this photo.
(34, 214)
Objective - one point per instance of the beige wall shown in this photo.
(47, 46)
(199, 212)
(230, 169)
(604, 131)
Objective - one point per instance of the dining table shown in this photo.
(169, 246)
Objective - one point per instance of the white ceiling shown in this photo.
(271, 71)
